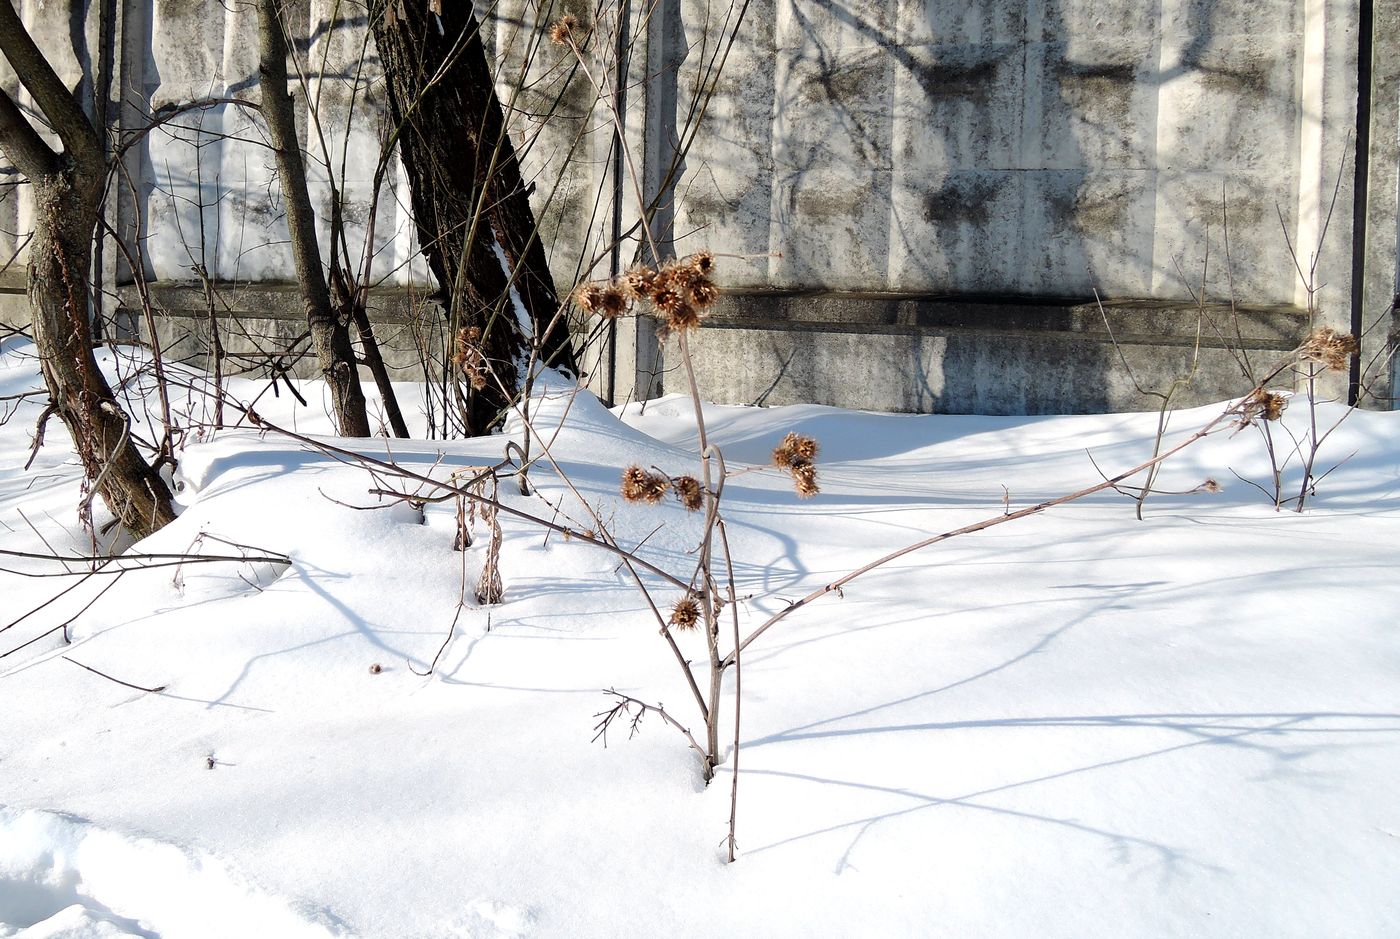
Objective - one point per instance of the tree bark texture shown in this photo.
(68, 191)
(467, 193)
(330, 333)
(67, 207)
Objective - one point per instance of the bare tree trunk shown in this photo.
(68, 189)
(330, 333)
(467, 192)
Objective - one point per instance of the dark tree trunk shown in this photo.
(467, 193)
(67, 208)
(330, 333)
(67, 189)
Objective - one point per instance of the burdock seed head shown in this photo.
(1329, 348)
(640, 486)
(469, 357)
(702, 292)
(562, 29)
(686, 613)
(613, 302)
(589, 298)
(688, 490)
(636, 283)
(795, 449)
(702, 262)
(804, 478)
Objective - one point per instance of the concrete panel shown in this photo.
(833, 110)
(1088, 230)
(957, 231)
(956, 372)
(1229, 103)
(959, 107)
(1091, 103)
(852, 214)
(976, 22)
(1093, 20)
(1190, 227)
(825, 25)
(725, 200)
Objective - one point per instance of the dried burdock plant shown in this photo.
(638, 485)
(702, 262)
(489, 588)
(795, 449)
(564, 29)
(1261, 405)
(589, 297)
(636, 283)
(804, 477)
(795, 455)
(686, 613)
(469, 357)
(1329, 348)
(613, 302)
(690, 493)
(703, 293)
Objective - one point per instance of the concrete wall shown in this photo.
(860, 155)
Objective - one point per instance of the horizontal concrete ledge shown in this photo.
(983, 355)
(280, 301)
(1128, 321)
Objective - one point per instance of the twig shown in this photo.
(156, 690)
(624, 706)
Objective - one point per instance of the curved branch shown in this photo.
(22, 143)
(50, 94)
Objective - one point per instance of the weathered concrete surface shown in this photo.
(262, 328)
(1032, 148)
(985, 357)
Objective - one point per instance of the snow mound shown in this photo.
(63, 877)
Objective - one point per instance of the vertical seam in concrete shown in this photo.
(1311, 204)
(1360, 191)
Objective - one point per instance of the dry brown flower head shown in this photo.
(563, 29)
(686, 613)
(702, 292)
(468, 356)
(588, 297)
(638, 485)
(1210, 485)
(689, 491)
(702, 262)
(1329, 348)
(804, 478)
(613, 302)
(636, 283)
(795, 449)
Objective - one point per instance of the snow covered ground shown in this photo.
(1077, 724)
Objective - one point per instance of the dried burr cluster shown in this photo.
(686, 613)
(1329, 348)
(639, 485)
(678, 292)
(797, 455)
(563, 29)
(1324, 346)
(468, 356)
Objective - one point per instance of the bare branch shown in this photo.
(47, 89)
(22, 143)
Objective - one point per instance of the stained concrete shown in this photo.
(915, 149)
